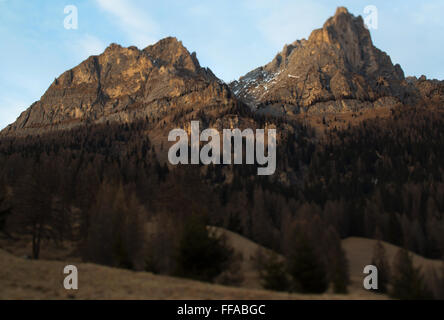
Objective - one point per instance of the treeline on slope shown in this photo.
(402, 279)
(380, 177)
(98, 185)
(103, 188)
(385, 176)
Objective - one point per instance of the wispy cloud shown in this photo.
(140, 28)
(284, 21)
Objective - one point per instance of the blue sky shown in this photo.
(230, 37)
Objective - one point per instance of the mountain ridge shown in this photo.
(337, 70)
(124, 84)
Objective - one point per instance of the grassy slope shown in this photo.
(360, 252)
(40, 279)
(28, 279)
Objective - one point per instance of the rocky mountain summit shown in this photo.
(337, 69)
(124, 84)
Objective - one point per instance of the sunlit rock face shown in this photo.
(124, 84)
(337, 69)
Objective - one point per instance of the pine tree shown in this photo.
(5, 210)
(340, 277)
(272, 272)
(436, 278)
(337, 262)
(407, 281)
(307, 270)
(380, 261)
(201, 255)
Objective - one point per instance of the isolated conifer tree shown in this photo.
(380, 261)
(34, 211)
(438, 282)
(340, 277)
(407, 281)
(337, 262)
(201, 255)
(5, 210)
(307, 270)
(121, 255)
(273, 272)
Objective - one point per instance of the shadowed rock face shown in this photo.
(336, 69)
(124, 84)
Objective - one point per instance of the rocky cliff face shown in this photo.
(337, 69)
(431, 92)
(124, 84)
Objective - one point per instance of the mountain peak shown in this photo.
(172, 51)
(124, 84)
(342, 29)
(341, 10)
(113, 46)
(337, 69)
